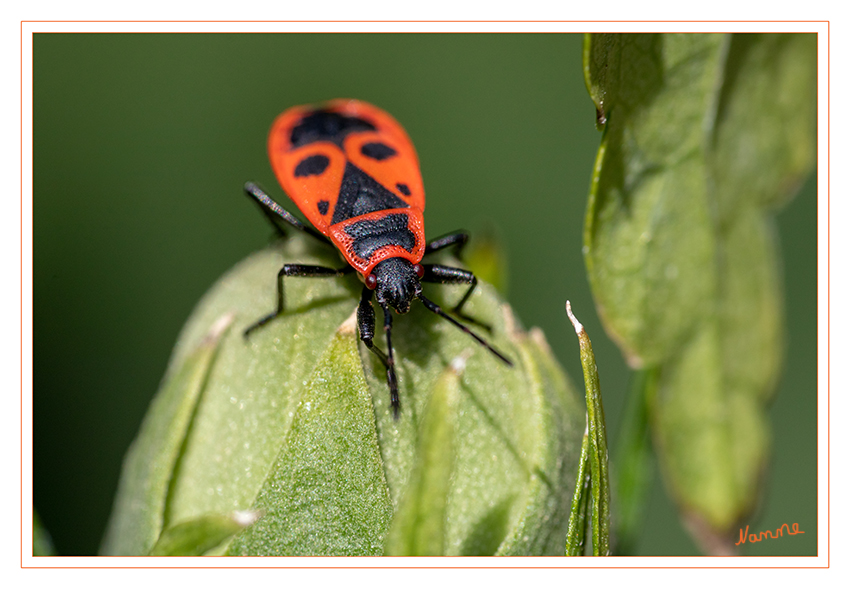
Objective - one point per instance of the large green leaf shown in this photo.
(704, 134)
(648, 232)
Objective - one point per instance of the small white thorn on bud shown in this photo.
(578, 326)
(458, 365)
(219, 327)
(245, 518)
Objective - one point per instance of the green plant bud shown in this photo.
(285, 443)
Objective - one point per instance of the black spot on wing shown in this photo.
(322, 125)
(312, 165)
(322, 205)
(361, 194)
(371, 235)
(403, 188)
(378, 151)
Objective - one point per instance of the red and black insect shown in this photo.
(353, 172)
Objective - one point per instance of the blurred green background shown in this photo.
(143, 142)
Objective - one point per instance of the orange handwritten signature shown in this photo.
(745, 535)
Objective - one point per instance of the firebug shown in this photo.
(353, 172)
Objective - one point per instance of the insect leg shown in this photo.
(457, 239)
(366, 326)
(275, 213)
(451, 275)
(391, 378)
(435, 308)
(295, 270)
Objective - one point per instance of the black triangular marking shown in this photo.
(361, 194)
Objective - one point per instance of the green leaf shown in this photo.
(577, 532)
(648, 232)
(704, 134)
(418, 528)
(199, 536)
(763, 141)
(597, 447)
(326, 493)
(620, 69)
(709, 414)
(139, 514)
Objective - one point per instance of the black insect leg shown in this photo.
(391, 378)
(366, 326)
(275, 213)
(435, 308)
(296, 270)
(451, 275)
(457, 239)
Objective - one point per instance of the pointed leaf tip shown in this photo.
(578, 326)
(200, 535)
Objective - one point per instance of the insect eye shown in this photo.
(420, 270)
(371, 282)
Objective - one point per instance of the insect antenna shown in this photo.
(435, 308)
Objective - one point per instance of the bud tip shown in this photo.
(458, 365)
(246, 518)
(578, 326)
